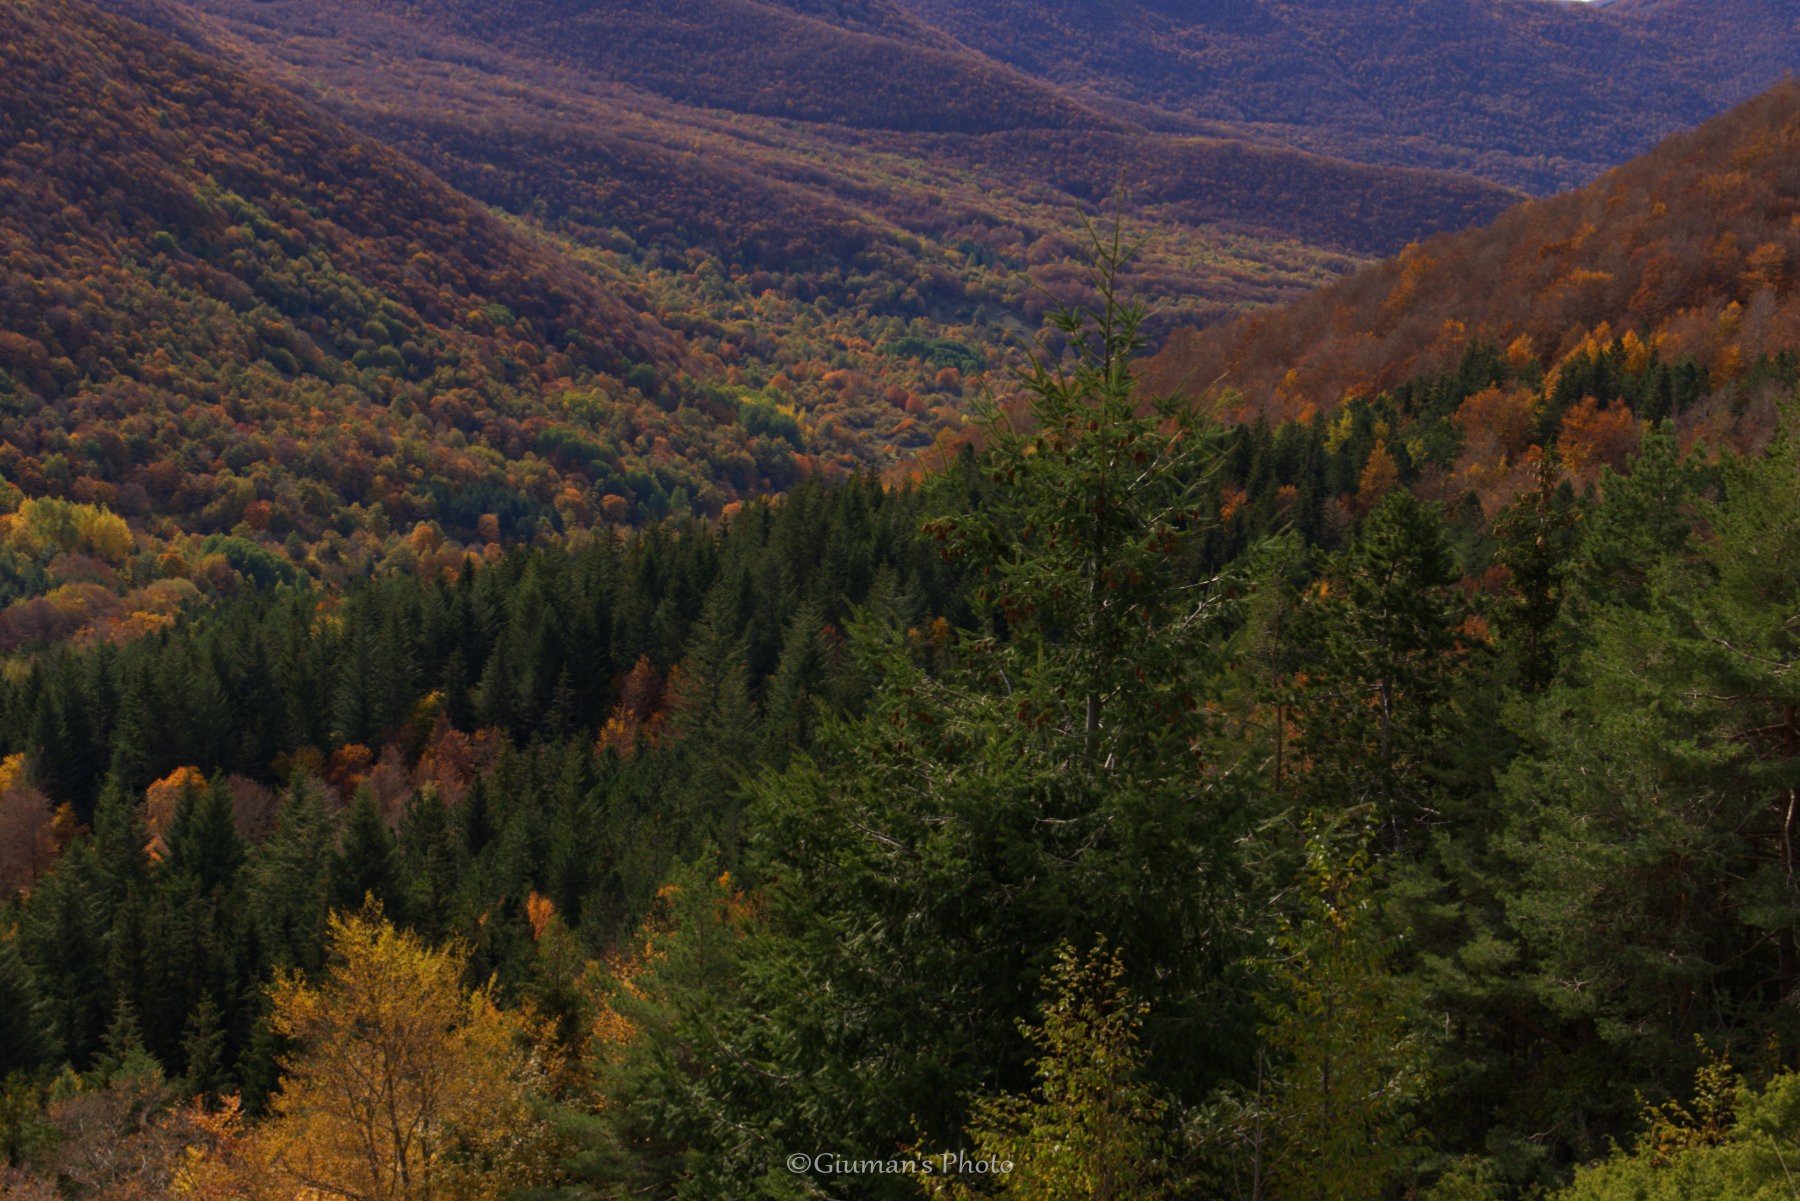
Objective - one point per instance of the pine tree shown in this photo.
(1648, 862)
(713, 720)
(133, 941)
(1348, 1053)
(474, 818)
(796, 688)
(203, 841)
(1646, 517)
(429, 863)
(203, 1052)
(1381, 639)
(134, 763)
(366, 866)
(1535, 544)
(124, 1041)
(119, 841)
(63, 939)
(26, 1041)
(292, 893)
(454, 684)
(496, 697)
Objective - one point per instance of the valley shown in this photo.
(774, 599)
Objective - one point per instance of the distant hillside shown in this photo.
(766, 188)
(1691, 250)
(868, 67)
(224, 313)
(1729, 50)
(1269, 190)
(1536, 95)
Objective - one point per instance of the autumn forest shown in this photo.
(773, 599)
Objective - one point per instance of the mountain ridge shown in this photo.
(1529, 94)
(220, 302)
(1685, 255)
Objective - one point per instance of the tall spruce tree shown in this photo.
(366, 865)
(430, 863)
(62, 937)
(1652, 818)
(26, 1040)
(1382, 649)
(292, 895)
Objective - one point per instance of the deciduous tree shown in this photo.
(404, 1087)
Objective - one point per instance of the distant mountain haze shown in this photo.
(1531, 94)
(869, 67)
(1536, 95)
(625, 90)
(1527, 93)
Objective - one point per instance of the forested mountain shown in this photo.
(239, 340)
(840, 291)
(474, 724)
(771, 60)
(1530, 94)
(1667, 283)
(221, 308)
(874, 818)
(1540, 96)
(849, 157)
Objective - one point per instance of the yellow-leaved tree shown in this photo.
(1092, 1130)
(403, 1086)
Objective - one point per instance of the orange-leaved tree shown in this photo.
(403, 1086)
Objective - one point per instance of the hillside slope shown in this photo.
(222, 311)
(1536, 95)
(869, 68)
(1690, 249)
(608, 92)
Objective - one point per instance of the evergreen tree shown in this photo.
(203, 1052)
(291, 896)
(1646, 517)
(429, 863)
(132, 944)
(714, 722)
(62, 937)
(119, 841)
(1651, 819)
(797, 686)
(474, 818)
(26, 1041)
(1348, 1052)
(123, 1049)
(135, 763)
(203, 841)
(1381, 633)
(366, 866)
(1536, 543)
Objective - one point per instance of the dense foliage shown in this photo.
(210, 325)
(1393, 797)
(874, 823)
(1537, 96)
(1686, 252)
